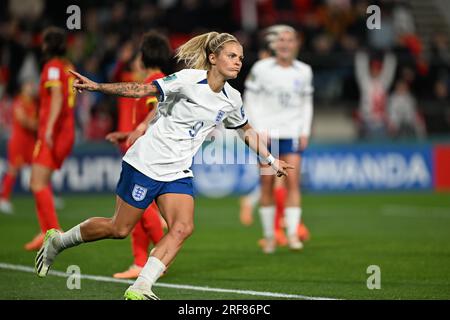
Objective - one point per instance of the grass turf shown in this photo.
(406, 235)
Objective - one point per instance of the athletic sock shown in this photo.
(293, 217)
(69, 239)
(267, 215)
(152, 224)
(7, 186)
(46, 209)
(151, 272)
(139, 244)
(280, 194)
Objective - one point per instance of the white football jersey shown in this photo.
(279, 99)
(188, 111)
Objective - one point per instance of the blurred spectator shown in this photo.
(29, 70)
(88, 100)
(440, 55)
(403, 20)
(335, 16)
(26, 9)
(100, 123)
(358, 27)
(403, 117)
(383, 38)
(437, 111)
(374, 79)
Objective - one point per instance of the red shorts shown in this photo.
(20, 152)
(52, 157)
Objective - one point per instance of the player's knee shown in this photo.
(36, 185)
(182, 230)
(293, 187)
(120, 232)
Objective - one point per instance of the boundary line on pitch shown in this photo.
(17, 267)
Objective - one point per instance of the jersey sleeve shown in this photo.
(236, 118)
(169, 85)
(251, 82)
(52, 76)
(309, 89)
(150, 100)
(308, 104)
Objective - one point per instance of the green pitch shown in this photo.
(406, 235)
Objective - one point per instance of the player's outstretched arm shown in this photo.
(124, 89)
(117, 137)
(254, 142)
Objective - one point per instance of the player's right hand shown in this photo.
(117, 137)
(303, 141)
(82, 83)
(134, 135)
(281, 167)
(49, 137)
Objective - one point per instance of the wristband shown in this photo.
(270, 159)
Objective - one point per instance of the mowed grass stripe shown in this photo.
(27, 269)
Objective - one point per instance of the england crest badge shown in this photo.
(139, 192)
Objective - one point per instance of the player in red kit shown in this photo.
(154, 55)
(21, 143)
(128, 69)
(56, 133)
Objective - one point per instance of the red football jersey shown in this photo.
(125, 105)
(56, 74)
(19, 133)
(142, 106)
(22, 141)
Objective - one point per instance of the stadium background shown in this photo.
(354, 182)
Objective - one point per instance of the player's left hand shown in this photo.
(281, 167)
(134, 135)
(304, 140)
(49, 137)
(117, 137)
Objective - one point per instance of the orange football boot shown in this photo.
(303, 232)
(132, 273)
(36, 243)
(280, 238)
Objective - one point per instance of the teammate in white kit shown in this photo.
(283, 115)
(192, 102)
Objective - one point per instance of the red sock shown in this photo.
(139, 244)
(152, 223)
(7, 186)
(46, 209)
(280, 194)
(148, 229)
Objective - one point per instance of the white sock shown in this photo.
(151, 272)
(69, 239)
(267, 215)
(293, 217)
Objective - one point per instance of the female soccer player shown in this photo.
(157, 166)
(56, 133)
(21, 143)
(249, 201)
(283, 115)
(154, 56)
